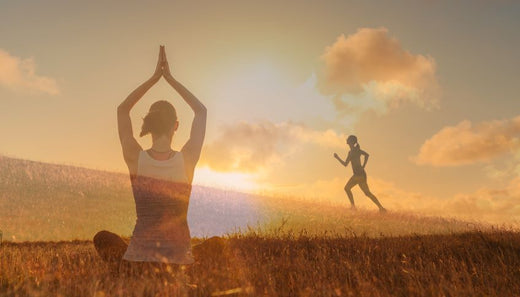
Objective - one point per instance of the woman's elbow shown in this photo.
(202, 110)
(122, 109)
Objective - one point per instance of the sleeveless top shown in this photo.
(161, 192)
(355, 160)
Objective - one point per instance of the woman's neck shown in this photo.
(162, 144)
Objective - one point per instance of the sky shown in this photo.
(428, 87)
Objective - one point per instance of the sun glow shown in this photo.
(205, 176)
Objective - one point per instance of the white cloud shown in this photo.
(468, 143)
(20, 75)
(373, 68)
(250, 147)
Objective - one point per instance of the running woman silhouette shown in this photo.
(360, 176)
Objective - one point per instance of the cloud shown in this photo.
(20, 75)
(466, 143)
(494, 205)
(369, 66)
(250, 147)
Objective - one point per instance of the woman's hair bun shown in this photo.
(161, 118)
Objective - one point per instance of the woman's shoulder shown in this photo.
(354, 151)
(147, 155)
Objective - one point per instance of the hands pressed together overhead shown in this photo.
(162, 68)
(192, 148)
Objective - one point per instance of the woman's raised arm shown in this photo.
(191, 150)
(129, 144)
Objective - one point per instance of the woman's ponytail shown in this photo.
(160, 119)
(352, 140)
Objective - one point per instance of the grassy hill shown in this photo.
(294, 247)
(40, 201)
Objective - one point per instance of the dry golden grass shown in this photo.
(304, 248)
(257, 264)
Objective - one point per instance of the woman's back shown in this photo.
(171, 169)
(161, 192)
(161, 187)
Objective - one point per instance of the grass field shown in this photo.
(299, 248)
(467, 264)
(45, 202)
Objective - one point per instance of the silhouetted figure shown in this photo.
(360, 176)
(161, 179)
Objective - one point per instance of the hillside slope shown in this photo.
(40, 201)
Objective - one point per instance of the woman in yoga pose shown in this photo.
(161, 179)
(360, 176)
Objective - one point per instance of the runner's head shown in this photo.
(352, 141)
(160, 120)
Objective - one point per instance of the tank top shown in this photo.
(161, 193)
(355, 160)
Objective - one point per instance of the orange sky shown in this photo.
(429, 89)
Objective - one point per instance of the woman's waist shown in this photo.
(160, 209)
(161, 216)
(154, 202)
(160, 228)
(359, 171)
